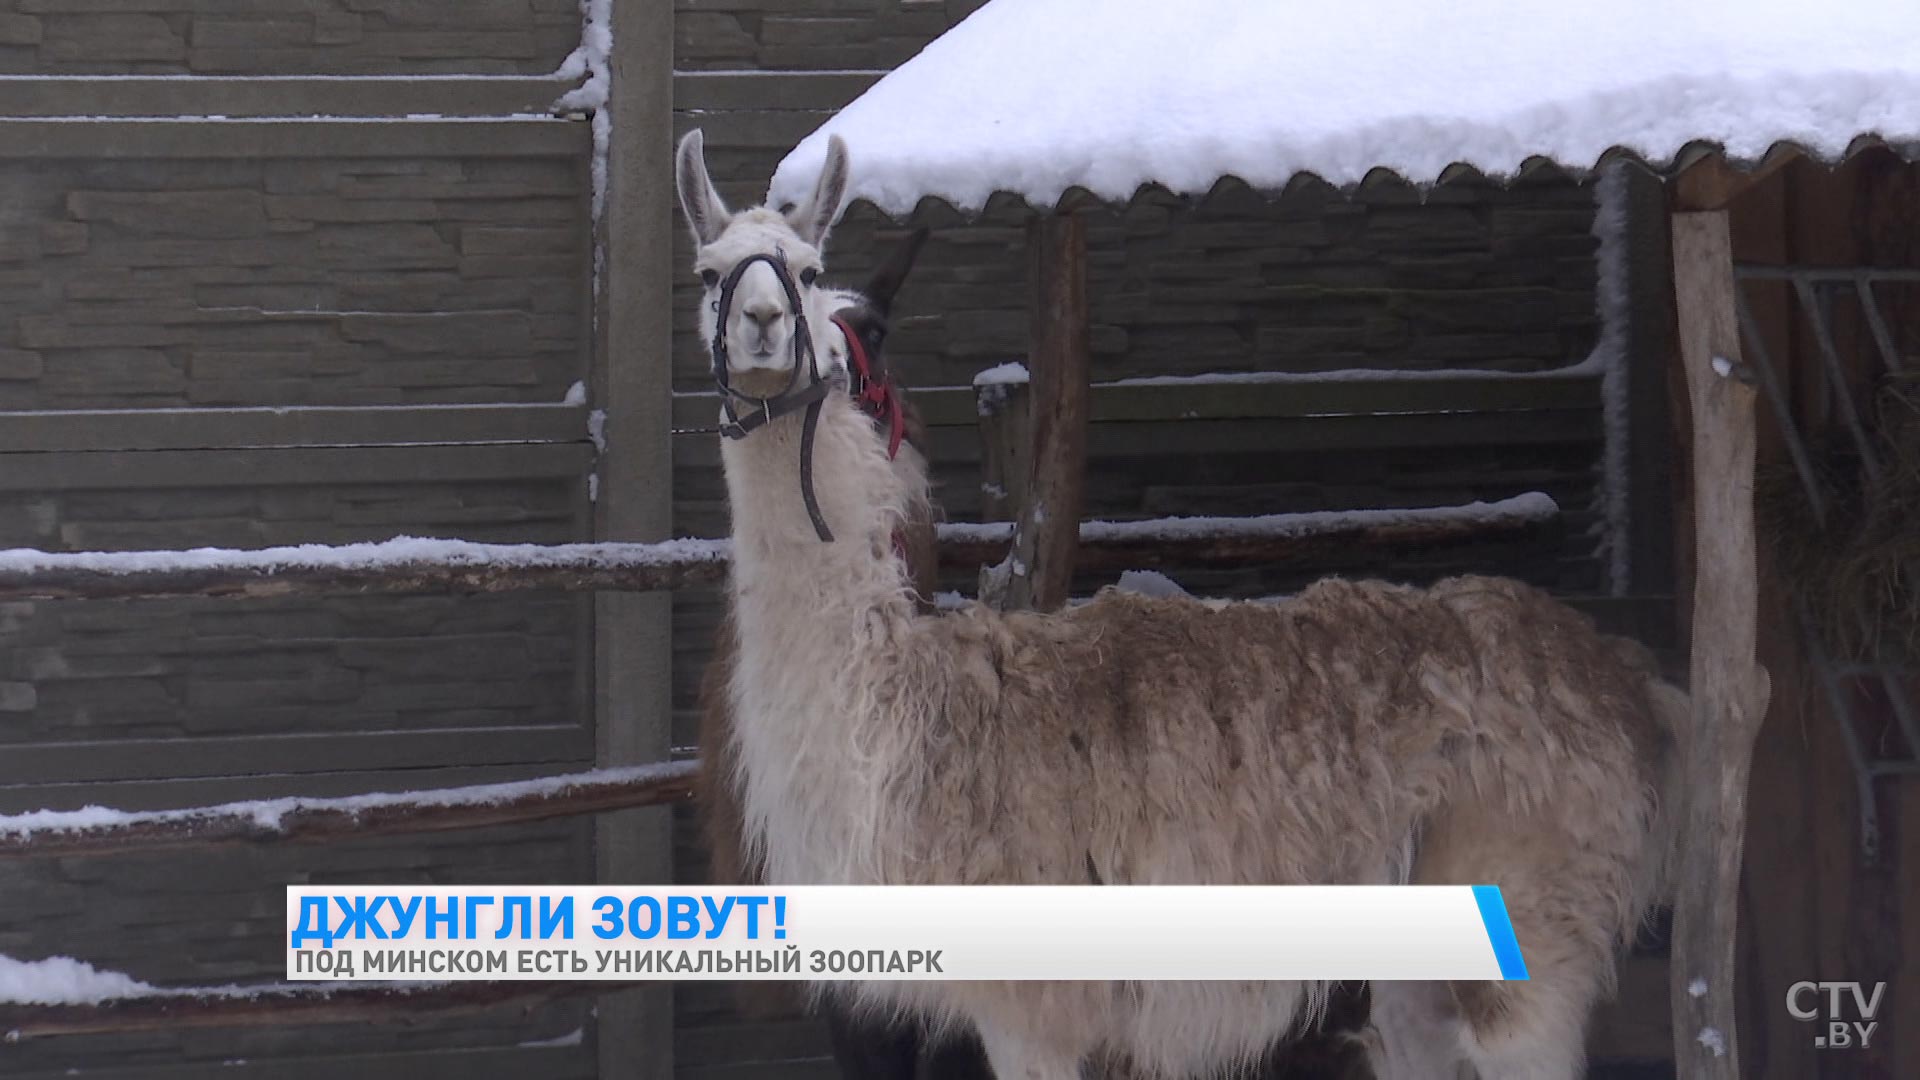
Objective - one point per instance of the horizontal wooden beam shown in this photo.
(1183, 400)
(298, 466)
(411, 566)
(215, 95)
(751, 129)
(108, 758)
(280, 1005)
(958, 447)
(408, 565)
(718, 91)
(57, 430)
(393, 567)
(92, 832)
(128, 96)
(316, 137)
(1113, 547)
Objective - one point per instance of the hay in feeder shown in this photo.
(1857, 576)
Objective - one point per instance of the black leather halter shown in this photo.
(763, 411)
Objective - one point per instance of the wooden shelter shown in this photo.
(1777, 203)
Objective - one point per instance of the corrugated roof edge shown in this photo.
(935, 210)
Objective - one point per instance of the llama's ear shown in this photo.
(885, 283)
(812, 219)
(706, 213)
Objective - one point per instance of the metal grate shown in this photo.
(1851, 689)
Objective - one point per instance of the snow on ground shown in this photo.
(270, 813)
(62, 980)
(1039, 96)
(1533, 506)
(401, 550)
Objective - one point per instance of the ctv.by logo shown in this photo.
(1841, 1033)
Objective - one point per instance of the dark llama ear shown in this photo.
(885, 283)
(707, 213)
(812, 219)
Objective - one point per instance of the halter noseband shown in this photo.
(793, 397)
(789, 399)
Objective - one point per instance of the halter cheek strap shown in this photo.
(878, 397)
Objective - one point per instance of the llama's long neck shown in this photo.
(815, 622)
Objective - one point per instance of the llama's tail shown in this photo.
(1673, 711)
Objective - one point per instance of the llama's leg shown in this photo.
(1566, 901)
(1533, 1030)
(871, 1049)
(1414, 1032)
(1016, 1058)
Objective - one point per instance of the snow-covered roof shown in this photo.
(1040, 97)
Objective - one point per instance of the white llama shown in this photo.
(1473, 732)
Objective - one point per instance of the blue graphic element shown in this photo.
(1506, 948)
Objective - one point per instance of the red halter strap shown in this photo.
(877, 397)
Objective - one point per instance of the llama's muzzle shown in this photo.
(764, 410)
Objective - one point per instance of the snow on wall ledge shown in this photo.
(1040, 97)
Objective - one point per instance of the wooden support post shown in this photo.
(1039, 568)
(1006, 448)
(633, 648)
(1729, 688)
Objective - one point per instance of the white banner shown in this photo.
(1167, 932)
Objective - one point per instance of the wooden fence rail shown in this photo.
(95, 831)
(408, 565)
(279, 1004)
(403, 565)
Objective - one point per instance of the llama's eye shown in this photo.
(807, 275)
(710, 277)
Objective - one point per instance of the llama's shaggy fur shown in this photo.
(865, 1047)
(715, 797)
(1475, 731)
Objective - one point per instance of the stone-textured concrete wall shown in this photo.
(808, 35)
(386, 268)
(219, 915)
(104, 672)
(292, 281)
(286, 37)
